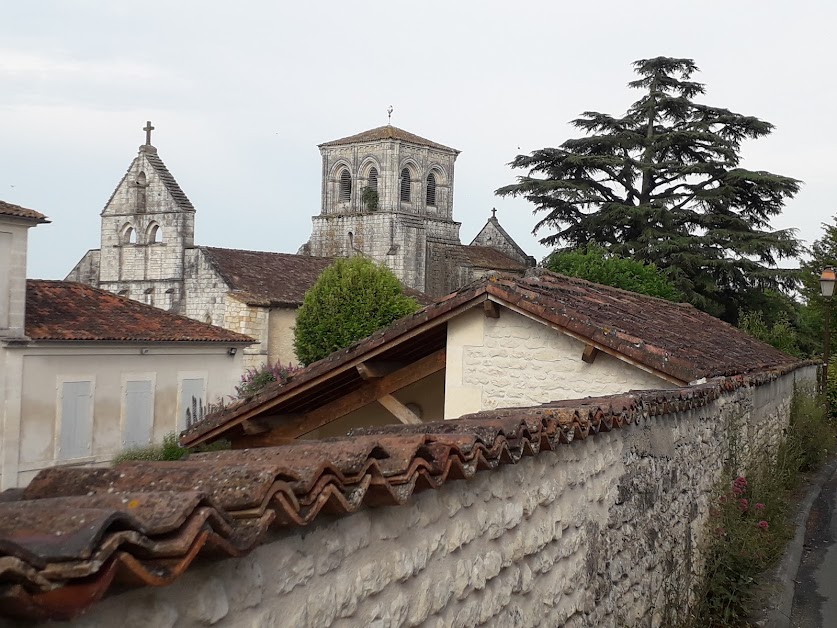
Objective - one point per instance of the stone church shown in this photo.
(387, 194)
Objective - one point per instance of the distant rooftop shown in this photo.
(7, 209)
(388, 132)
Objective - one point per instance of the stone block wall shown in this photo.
(251, 321)
(593, 534)
(514, 361)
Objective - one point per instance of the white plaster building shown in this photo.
(85, 373)
(148, 252)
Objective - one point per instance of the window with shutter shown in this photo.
(345, 186)
(405, 185)
(76, 425)
(431, 189)
(192, 401)
(138, 415)
(373, 179)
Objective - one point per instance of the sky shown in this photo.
(242, 93)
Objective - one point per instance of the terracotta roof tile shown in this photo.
(274, 279)
(263, 278)
(7, 209)
(676, 340)
(388, 132)
(65, 310)
(490, 258)
(74, 532)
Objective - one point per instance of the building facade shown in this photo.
(387, 194)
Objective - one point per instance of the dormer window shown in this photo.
(405, 185)
(345, 186)
(431, 189)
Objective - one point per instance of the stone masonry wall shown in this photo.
(593, 534)
(513, 361)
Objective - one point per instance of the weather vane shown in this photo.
(389, 114)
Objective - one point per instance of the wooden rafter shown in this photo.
(283, 430)
(590, 353)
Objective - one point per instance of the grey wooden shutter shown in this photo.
(191, 399)
(139, 413)
(76, 420)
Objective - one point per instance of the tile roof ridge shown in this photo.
(246, 493)
(223, 248)
(537, 272)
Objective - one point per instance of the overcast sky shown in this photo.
(242, 93)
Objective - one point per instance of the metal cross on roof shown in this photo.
(389, 114)
(493, 212)
(148, 128)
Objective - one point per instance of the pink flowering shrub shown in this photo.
(747, 528)
(253, 380)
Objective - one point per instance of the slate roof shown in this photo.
(168, 180)
(66, 310)
(676, 341)
(8, 209)
(496, 223)
(490, 258)
(166, 177)
(263, 278)
(274, 279)
(388, 132)
(74, 534)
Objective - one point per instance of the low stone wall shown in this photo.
(594, 534)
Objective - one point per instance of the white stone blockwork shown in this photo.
(515, 361)
(591, 535)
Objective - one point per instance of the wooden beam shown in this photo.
(376, 370)
(254, 426)
(369, 392)
(263, 408)
(491, 309)
(399, 410)
(590, 353)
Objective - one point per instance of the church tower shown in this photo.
(387, 194)
(147, 225)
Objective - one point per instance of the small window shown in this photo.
(345, 186)
(76, 424)
(129, 236)
(431, 189)
(155, 234)
(141, 179)
(405, 185)
(373, 178)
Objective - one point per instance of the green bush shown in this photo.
(749, 518)
(169, 450)
(351, 299)
(781, 334)
(597, 265)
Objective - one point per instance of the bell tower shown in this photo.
(386, 194)
(147, 225)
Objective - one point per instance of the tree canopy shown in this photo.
(597, 265)
(663, 183)
(351, 299)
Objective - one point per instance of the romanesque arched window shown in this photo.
(129, 236)
(373, 178)
(155, 234)
(345, 186)
(431, 189)
(405, 185)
